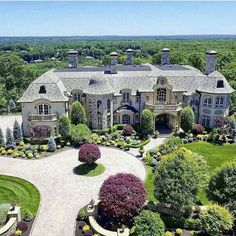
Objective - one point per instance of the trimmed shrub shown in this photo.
(27, 215)
(187, 119)
(9, 151)
(44, 148)
(168, 233)
(128, 129)
(17, 132)
(122, 196)
(9, 139)
(147, 122)
(198, 129)
(2, 140)
(3, 152)
(64, 127)
(78, 115)
(22, 226)
(179, 231)
(221, 188)
(180, 188)
(82, 215)
(52, 145)
(89, 153)
(15, 154)
(192, 223)
(216, 220)
(148, 223)
(30, 155)
(80, 133)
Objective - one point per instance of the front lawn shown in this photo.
(25, 194)
(214, 154)
(149, 184)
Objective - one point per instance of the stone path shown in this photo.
(62, 192)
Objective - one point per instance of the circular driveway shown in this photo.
(63, 193)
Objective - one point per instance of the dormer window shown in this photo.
(220, 84)
(161, 95)
(42, 89)
(126, 97)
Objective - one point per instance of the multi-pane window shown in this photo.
(207, 102)
(125, 97)
(99, 105)
(161, 95)
(43, 109)
(77, 97)
(220, 102)
(206, 121)
(108, 120)
(108, 106)
(126, 119)
(137, 98)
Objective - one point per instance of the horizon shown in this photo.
(133, 19)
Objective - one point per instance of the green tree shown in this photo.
(9, 138)
(222, 184)
(187, 119)
(78, 115)
(80, 133)
(11, 105)
(215, 220)
(2, 140)
(147, 122)
(64, 127)
(148, 223)
(197, 61)
(17, 132)
(180, 177)
(106, 60)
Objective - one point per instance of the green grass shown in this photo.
(214, 154)
(149, 184)
(89, 170)
(25, 194)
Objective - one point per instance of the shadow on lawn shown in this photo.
(89, 169)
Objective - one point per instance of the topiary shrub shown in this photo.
(2, 140)
(22, 226)
(82, 215)
(17, 132)
(9, 139)
(221, 188)
(128, 129)
(122, 196)
(187, 119)
(80, 133)
(148, 223)
(179, 231)
(78, 115)
(89, 153)
(198, 129)
(52, 145)
(27, 215)
(64, 127)
(216, 220)
(147, 122)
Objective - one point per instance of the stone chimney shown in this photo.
(113, 66)
(73, 58)
(165, 60)
(129, 60)
(210, 61)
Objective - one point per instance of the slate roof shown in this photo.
(142, 78)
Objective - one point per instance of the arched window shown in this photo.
(220, 102)
(42, 89)
(207, 102)
(99, 104)
(161, 95)
(108, 106)
(43, 109)
(126, 119)
(220, 84)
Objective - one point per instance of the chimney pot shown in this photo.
(165, 60)
(210, 61)
(73, 58)
(129, 60)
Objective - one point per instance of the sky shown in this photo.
(116, 18)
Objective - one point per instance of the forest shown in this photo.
(22, 61)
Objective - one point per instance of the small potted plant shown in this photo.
(155, 134)
(141, 151)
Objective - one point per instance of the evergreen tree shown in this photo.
(187, 119)
(51, 145)
(64, 127)
(11, 105)
(9, 139)
(17, 132)
(147, 122)
(78, 115)
(2, 140)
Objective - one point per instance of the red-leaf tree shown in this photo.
(89, 153)
(128, 129)
(198, 129)
(122, 196)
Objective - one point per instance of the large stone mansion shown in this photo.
(118, 93)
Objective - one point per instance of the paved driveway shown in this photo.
(62, 192)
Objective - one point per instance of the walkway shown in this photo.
(62, 192)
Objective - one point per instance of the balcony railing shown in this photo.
(164, 107)
(43, 117)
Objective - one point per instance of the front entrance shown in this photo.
(162, 123)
